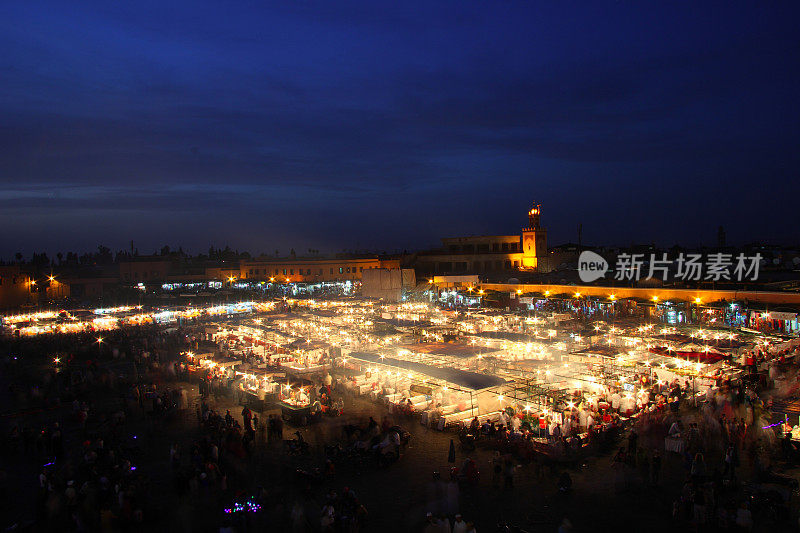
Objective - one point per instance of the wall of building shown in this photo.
(144, 271)
(534, 247)
(481, 244)
(467, 263)
(57, 290)
(222, 273)
(647, 293)
(386, 284)
(491, 253)
(310, 270)
(15, 287)
(92, 287)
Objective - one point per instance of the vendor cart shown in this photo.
(295, 413)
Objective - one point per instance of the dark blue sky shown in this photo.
(387, 125)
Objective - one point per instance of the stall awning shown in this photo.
(599, 350)
(464, 379)
(402, 322)
(448, 348)
(507, 336)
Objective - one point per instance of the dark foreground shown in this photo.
(161, 493)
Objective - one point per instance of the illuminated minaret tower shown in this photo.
(534, 239)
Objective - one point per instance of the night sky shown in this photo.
(386, 125)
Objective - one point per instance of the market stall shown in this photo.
(258, 387)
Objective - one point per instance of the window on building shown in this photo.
(284, 271)
(505, 246)
(495, 247)
(291, 272)
(331, 271)
(516, 264)
(347, 270)
(341, 270)
(507, 264)
(361, 269)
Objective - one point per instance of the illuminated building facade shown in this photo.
(534, 240)
(490, 253)
(312, 269)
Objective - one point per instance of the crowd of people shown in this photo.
(90, 419)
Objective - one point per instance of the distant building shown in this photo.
(387, 284)
(534, 240)
(57, 289)
(490, 253)
(145, 269)
(92, 287)
(312, 269)
(228, 273)
(17, 288)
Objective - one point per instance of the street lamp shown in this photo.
(697, 302)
